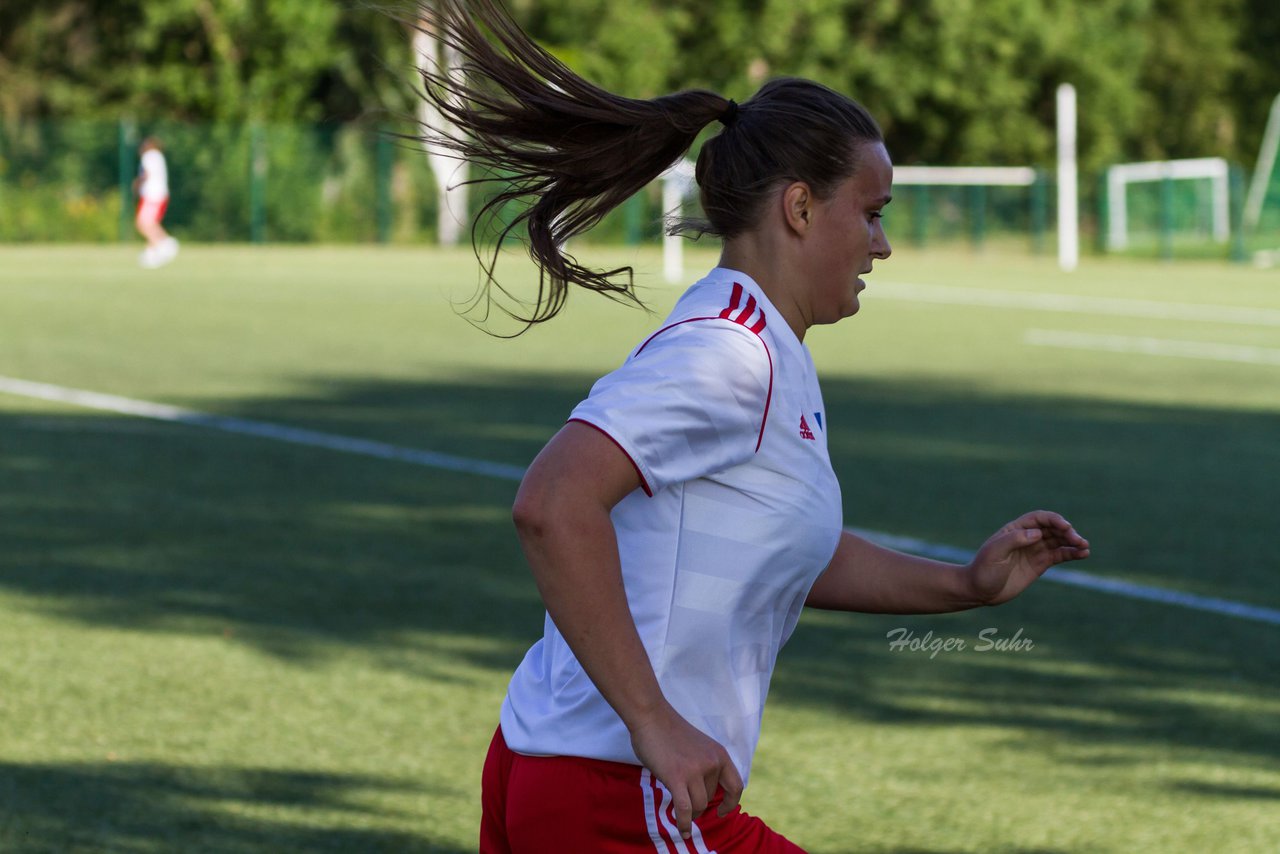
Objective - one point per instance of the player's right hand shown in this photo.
(691, 764)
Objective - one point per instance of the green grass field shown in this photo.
(213, 642)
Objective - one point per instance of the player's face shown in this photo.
(848, 236)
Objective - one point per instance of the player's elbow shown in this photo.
(527, 516)
(548, 507)
(533, 511)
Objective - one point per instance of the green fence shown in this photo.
(1265, 234)
(924, 214)
(1170, 218)
(71, 181)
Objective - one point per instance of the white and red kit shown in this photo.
(559, 804)
(740, 511)
(153, 195)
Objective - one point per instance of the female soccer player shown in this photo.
(152, 187)
(681, 519)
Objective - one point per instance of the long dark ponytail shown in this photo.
(566, 152)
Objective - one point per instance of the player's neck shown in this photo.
(768, 266)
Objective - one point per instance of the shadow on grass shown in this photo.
(1097, 678)
(127, 807)
(1221, 790)
(119, 522)
(146, 525)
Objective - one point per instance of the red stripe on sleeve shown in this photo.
(644, 484)
(768, 398)
(672, 326)
(734, 299)
(746, 312)
(757, 328)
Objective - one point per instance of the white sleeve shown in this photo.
(690, 402)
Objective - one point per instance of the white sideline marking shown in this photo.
(383, 450)
(1154, 346)
(1115, 306)
(1076, 578)
(263, 429)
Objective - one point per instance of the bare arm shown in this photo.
(562, 518)
(866, 577)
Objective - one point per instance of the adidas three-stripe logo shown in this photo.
(747, 312)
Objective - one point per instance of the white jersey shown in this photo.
(155, 176)
(721, 414)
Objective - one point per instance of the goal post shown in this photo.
(978, 186)
(1265, 171)
(968, 198)
(1068, 178)
(678, 184)
(954, 176)
(1120, 177)
(958, 198)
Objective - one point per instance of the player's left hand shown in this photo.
(1019, 553)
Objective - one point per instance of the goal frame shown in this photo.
(1121, 175)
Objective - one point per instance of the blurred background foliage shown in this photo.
(302, 90)
(953, 81)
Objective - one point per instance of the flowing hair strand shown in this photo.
(564, 151)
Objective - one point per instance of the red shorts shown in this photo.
(537, 804)
(152, 210)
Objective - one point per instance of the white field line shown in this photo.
(1114, 306)
(262, 429)
(1154, 346)
(429, 459)
(1076, 578)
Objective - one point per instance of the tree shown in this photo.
(1257, 79)
(953, 81)
(200, 60)
(1191, 62)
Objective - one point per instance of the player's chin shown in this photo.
(854, 302)
(838, 310)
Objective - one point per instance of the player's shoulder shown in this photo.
(726, 295)
(722, 309)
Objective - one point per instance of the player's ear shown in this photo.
(797, 207)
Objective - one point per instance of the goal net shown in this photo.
(949, 203)
(1168, 201)
(930, 204)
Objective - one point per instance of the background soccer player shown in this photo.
(152, 188)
